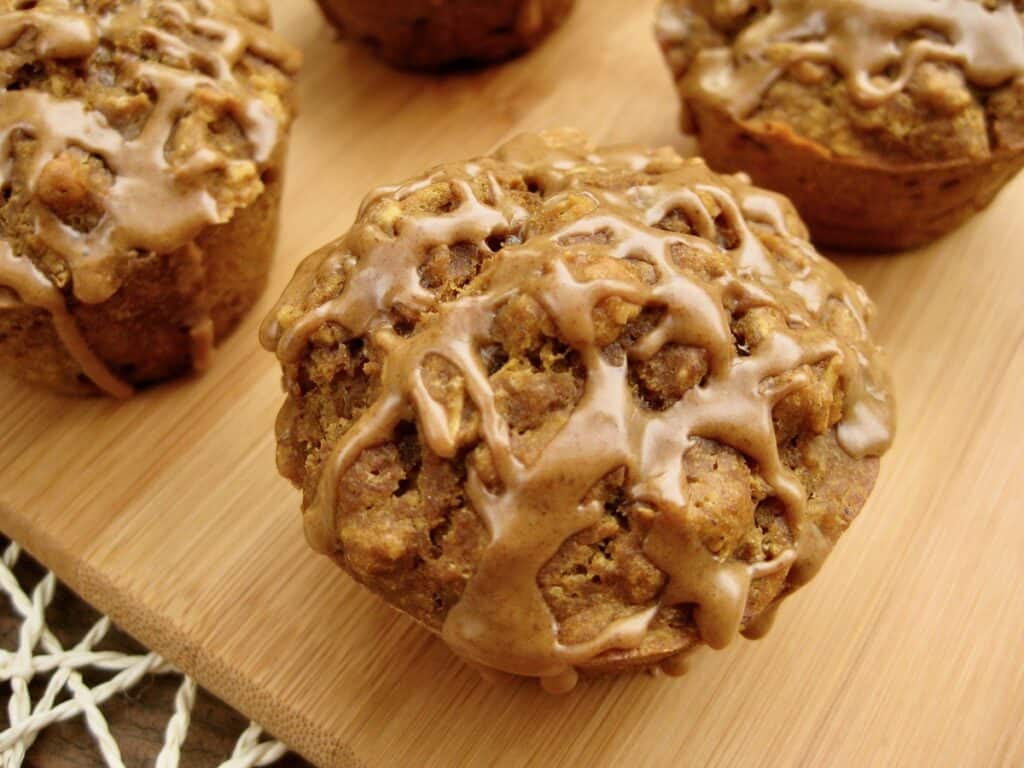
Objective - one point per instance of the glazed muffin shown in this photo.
(888, 124)
(439, 34)
(141, 151)
(578, 409)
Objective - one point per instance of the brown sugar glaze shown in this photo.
(875, 44)
(501, 620)
(155, 203)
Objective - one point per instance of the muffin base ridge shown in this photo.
(158, 325)
(854, 204)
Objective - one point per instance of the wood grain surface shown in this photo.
(908, 649)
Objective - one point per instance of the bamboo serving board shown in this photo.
(167, 511)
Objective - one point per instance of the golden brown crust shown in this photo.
(142, 147)
(430, 35)
(518, 408)
(852, 203)
(887, 131)
(142, 332)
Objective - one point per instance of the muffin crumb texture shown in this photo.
(577, 408)
(901, 80)
(138, 141)
(887, 123)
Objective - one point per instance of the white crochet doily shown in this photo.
(40, 656)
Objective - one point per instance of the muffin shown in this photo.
(888, 124)
(578, 409)
(441, 34)
(141, 153)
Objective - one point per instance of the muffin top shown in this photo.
(439, 35)
(900, 81)
(126, 127)
(577, 407)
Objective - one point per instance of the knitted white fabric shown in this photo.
(40, 653)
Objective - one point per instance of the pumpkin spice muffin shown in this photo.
(439, 34)
(578, 409)
(141, 154)
(887, 123)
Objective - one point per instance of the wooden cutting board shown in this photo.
(908, 649)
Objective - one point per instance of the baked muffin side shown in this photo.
(143, 147)
(887, 124)
(578, 409)
(430, 35)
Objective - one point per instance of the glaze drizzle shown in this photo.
(158, 201)
(501, 620)
(876, 45)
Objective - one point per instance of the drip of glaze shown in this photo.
(560, 682)
(59, 35)
(34, 289)
(153, 205)
(502, 620)
(679, 664)
(861, 39)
